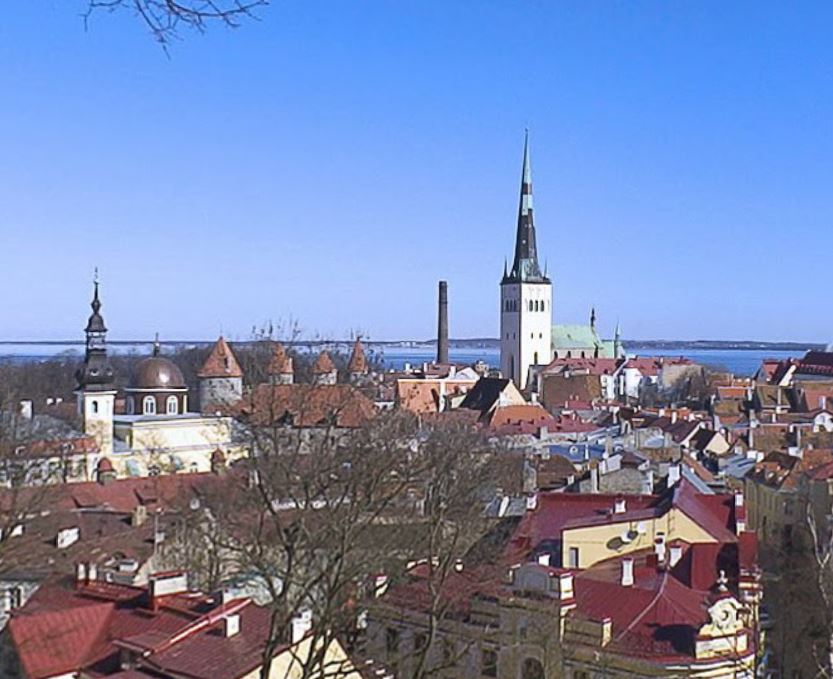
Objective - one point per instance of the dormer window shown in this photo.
(149, 405)
(171, 406)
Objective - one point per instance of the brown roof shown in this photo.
(220, 362)
(323, 364)
(358, 361)
(558, 389)
(309, 405)
(281, 363)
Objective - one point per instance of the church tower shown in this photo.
(525, 296)
(96, 394)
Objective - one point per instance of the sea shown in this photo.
(741, 362)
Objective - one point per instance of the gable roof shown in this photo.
(487, 392)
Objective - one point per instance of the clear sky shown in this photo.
(332, 161)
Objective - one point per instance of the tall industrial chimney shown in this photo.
(442, 325)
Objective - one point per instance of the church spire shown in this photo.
(525, 266)
(96, 373)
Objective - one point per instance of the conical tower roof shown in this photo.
(281, 362)
(323, 364)
(358, 360)
(221, 362)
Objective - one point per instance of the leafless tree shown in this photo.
(165, 18)
(822, 544)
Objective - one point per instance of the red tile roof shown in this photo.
(308, 405)
(64, 631)
(221, 362)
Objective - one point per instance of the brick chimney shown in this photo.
(442, 324)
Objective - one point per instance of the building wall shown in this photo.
(191, 440)
(525, 334)
(287, 666)
(596, 543)
(220, 392)
(96, 411)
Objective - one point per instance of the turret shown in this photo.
(357, 365)
(221, 378)
(324, 370)
(281, 369)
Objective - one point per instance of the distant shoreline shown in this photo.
(471, 343)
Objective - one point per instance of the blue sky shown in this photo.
(333, 160)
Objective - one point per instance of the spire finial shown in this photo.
(157, 347)
(593, 317)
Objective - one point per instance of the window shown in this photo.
(392, 640)
(574, 557)
(171, 405)
(532, 669)
(131, 405)
(94, 406)
(149, 405)
(488, 662)
(14, 598)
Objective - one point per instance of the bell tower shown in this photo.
(95, 393)
(525, 296)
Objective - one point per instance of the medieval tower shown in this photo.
(525, 296)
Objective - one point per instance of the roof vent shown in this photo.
(231, 625)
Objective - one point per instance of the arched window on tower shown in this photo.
(94, 406)
(149, 405)
(171, 405)
(530, 305)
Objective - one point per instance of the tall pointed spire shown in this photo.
(96, 372)
(525, 265)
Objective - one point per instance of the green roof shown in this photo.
(577, 337)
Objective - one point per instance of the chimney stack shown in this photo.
(627, 572)
(442, 324)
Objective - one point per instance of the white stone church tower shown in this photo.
(525, 297)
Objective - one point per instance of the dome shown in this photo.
(157, 372)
